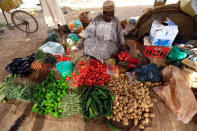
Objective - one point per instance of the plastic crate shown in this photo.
(156, 51)
(7, 5)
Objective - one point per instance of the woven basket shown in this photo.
(6, 5)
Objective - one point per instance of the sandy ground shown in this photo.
(16, 44)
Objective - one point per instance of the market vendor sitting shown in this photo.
(103, 36)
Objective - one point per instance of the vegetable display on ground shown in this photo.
(71, 103)
(20, 66)
(62, 58)
(132, 102)
(16, 90)
(48, 95)
(91, 73)
(96, 101)
(123, 56)
(40, 56)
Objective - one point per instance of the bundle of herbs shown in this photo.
(43, 61)
(3, 86)
(48, 95)
(16, 90)
(40, 56)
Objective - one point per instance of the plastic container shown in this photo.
(156, 51)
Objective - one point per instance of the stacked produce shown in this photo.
(71, 103)
(96, 101)
(132, 102)
(62, 58)
(41, 66)
(48, 95)
(16, 90)
(123, 60)
(43, 62)
(123, 56)
(44, 57)
(3, 86)
(20, 66)
(91, 73)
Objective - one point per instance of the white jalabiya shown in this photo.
(102, 39)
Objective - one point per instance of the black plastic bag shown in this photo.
(148, 72)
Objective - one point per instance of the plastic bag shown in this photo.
(177, 93)
(113, 70)
(148, 72)
(75, 26)
(72, 39)
(163, 35)
(53, 48)
(64, 68)
(111, 67)
(189, 7)
(176, 54)
(133, 62)
(132, 77)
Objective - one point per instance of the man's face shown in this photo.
(108, 15)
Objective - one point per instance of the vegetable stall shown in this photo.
(121, 90)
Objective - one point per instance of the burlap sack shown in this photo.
(186, 24)
(177, 93)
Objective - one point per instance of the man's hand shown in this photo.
(123, 48)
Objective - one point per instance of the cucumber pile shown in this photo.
(96, 101)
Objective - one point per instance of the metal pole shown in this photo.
(5, 17)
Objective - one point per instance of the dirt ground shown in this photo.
(16, 44)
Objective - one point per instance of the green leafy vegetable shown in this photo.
(16, 90)
(48, 95)
(40, 56)
(71, 103)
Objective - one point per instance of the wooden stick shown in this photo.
(59, 34)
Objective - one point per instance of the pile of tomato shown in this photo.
(62, 58)
(68, 52)
(90, 73)
(123, 56)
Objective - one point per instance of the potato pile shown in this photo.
(132, 102)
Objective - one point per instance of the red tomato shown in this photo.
(67, 78)
(72, 84)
